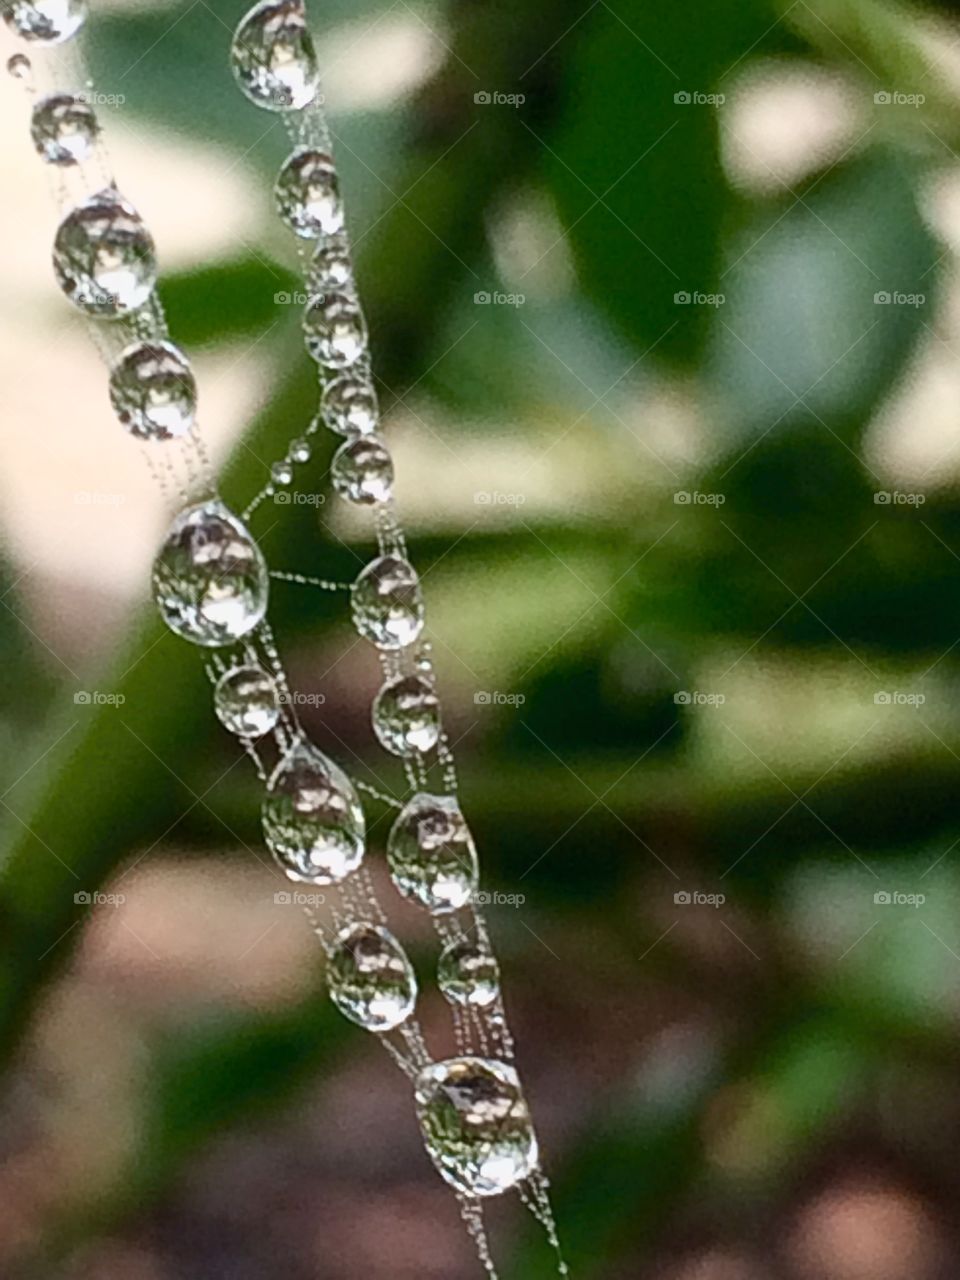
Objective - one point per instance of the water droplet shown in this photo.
(20, 67)
(281, 473)
(331, 269)
(104, 257)
(308, 196)
(247, 701)
(476, 1125)
(468, 974)
(349, 407)
(273, 57)
(153, 391)
(63, 128)
(334, 329)
(406, 716)
(210, 579)
(371, 980)
(387, 604)
(46, 21)
(312, 820)
(299, 450)
(362, 470)
(431, 853)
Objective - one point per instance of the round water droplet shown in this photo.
(153, 391)
(299, 450)
(20, 67)
(387, 604)
(103, 256)
(63, 128)
(312, 820)
(476, 1125)
(281, 473)
(334, 330)
(371, 980)
(349, 406)
(45, 21)
(210, 579)
(406, 716)
(247, 701)
(308, 195)
(331, 269)
(362, 470)
(273, 57)
(431, 854)
(468, 974)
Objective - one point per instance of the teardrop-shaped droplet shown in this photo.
(63, 128)
(247, 701)
(20, 67)
(387, 604)
(406, 716)
(370, 978)
(308, 195)
(103, 256)
(467, 973)
(210, 580)
(334, 330)
(273, 57)
(45, 21)
(300, 450)
(362, 470)
(349, 406)
(153, 390)
(476, 1125)
(281, 473)
(312, 820)
(431, 854)
(331, 270)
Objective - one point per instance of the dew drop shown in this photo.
(308, 196)
(476, 1125)
(312, 820)
(20, 67)
(362, 470)
(153, 390)
(104, 257)
(247, 701)
(210, 580)
(431, 853)
(273, 57)
(334, 330)
(371, 980)
(349, 406)
(45, 21)
(406, 716)
(64, 128)
(468, 974)
(331, 269)
(387, 604)
(281, 473)
(299, 450)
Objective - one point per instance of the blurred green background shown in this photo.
(664, 306)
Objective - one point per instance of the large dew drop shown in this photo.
(476, 1125)
(334, 330)
(406, 716)
(431, 854)
(371, 980)
(103, 256)
(247, 701)
(273, 57)
(307, 195)
(210, 580)
(387, 604)
(362, 470)
(45, 21)
(331, 269)
(153, 391)
(63, 129)
(312, 820)
(468, 974)
(349, 406)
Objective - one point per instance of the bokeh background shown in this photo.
(664, 307)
